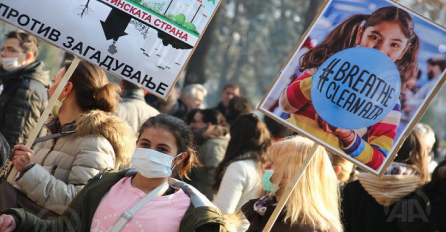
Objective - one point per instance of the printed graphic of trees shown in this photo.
(154, 6)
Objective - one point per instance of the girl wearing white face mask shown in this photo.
(144, 198)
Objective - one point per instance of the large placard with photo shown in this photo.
(147, 42)
(360, 79)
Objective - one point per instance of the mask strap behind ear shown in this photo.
(174, 160)
(178, 155)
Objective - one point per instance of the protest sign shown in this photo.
(346, 89)
(147, 42)
(359, 93)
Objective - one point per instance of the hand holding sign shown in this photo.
(355, 88)
(346, 136)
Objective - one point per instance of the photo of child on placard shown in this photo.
(348, 94)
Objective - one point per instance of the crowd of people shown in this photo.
(112, 157)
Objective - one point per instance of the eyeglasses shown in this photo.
(10, 50)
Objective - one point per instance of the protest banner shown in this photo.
(147, 42)
(345, 82)
(344, 85)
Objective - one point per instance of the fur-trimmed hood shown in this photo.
(113, 128)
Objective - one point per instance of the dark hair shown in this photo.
(276, 129)
(239, 105)
(27, 42)
(213, 116)
(418, 75)
(190, 115)
(441, 62)
(414, 151)
(183, 136)
(249, 140)
(344, 36)
(439, 172)
(92, 88)
(232, 86)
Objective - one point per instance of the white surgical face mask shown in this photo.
(56, 107)
(152, 164)
(11, 64)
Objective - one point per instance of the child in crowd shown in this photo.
(142, 199)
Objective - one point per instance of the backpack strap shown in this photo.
(51, 136)
(128, 215)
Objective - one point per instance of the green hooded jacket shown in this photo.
(201, 216)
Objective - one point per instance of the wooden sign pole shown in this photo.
(290, 188)
(47, 110)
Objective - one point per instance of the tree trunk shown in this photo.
(226, 63)
(312, 11)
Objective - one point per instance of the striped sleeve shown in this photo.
(299, 92)
(380, 140)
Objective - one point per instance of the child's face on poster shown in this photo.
(386, 37)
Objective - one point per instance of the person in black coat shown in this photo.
(387, 204)
(25, 81)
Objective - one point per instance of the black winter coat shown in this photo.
(23, 100)
(361, 212)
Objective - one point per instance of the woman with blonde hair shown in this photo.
(314, 203)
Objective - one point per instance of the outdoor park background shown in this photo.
(248, 42)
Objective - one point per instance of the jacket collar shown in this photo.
(200, 212)
(54, 127)
(132, 94)
(111, 127)
(197, 199)
(34, 71)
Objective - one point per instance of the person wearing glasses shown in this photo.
(25, 85)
